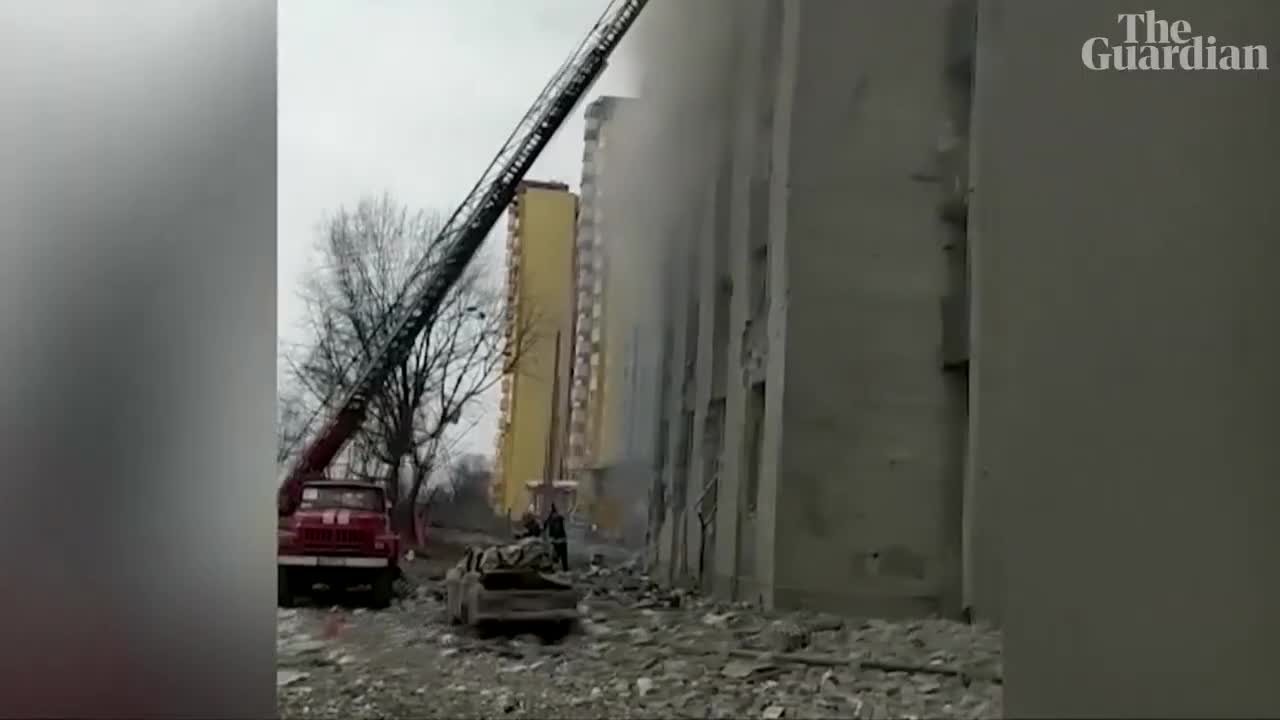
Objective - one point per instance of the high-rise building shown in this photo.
(591, 443)
(811, 431)
(533, 410)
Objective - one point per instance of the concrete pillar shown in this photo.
(869, 467)
(669, 392)
(683, 312)
(1127, 263)
(746, 150)
(686, 49)
(704, 449)
(714, 287)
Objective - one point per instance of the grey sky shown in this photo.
(413, 97)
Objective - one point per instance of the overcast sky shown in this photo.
(413, 97)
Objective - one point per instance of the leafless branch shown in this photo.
(365, 258)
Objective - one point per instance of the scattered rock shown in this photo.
(644, 686)
(285, 678)
(717, 620)
(679, 668)
(742, 669)
(785, 636)
(643, 652)
(298, 648)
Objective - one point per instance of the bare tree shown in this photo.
(367, 256)
(463, 500)
(291, 424)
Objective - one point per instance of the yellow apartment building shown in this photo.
(533, 409)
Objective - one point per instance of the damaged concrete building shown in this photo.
(808, 407)
(942, 319)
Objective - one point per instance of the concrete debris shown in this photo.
(301, 647)
(527, 553)
(717, 620)
(742, 669)
(285, 678)
(783, 636)
(644, 686)
(640, 651)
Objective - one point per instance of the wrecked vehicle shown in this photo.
(511, 584)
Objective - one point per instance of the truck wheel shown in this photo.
(555, 631)
(452, 607)
(383, 589)
(284, 588)
(486, 629)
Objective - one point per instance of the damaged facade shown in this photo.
(809, 307)
(944, 324)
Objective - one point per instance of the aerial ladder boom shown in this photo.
(460, 238)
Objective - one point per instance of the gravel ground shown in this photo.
(640, 653)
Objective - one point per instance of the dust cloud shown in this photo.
(655, 192)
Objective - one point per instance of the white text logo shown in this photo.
(1152, 43)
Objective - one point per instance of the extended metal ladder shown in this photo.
(466, 229)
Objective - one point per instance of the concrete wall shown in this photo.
(838, 269)
(1126, 336)
(866, 490)
(660, 158)
(809, 446)
(686, 104)
(733, 539)
(1115, 444)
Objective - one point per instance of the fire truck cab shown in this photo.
(339, 536)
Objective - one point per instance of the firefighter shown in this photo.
(529, 525)
(559, 540)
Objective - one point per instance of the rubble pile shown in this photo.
(526, 554)
(642, 651)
